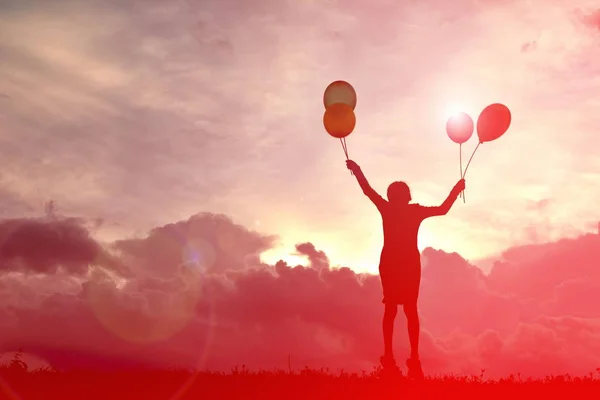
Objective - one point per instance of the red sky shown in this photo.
(138, 116)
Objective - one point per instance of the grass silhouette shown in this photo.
(17, 382)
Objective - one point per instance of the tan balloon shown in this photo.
(339, 92)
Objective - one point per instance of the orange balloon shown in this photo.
(339, 120)
(339, 92)
(493, 122)
(459, 127)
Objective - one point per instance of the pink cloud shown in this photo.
(534, 317)
(44, 246)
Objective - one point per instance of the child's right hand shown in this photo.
(352, 166)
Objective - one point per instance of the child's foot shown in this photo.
(387, 361)
(389, 364)
(414, 368)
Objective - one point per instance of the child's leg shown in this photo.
(412, 320)
(389, 316)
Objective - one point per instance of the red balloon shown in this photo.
(339, 92)
(459, 127)
(493, 122)
(339, 120)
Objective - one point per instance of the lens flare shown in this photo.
(142, 316)
(198, 254)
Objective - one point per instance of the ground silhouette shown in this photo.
(18, 383)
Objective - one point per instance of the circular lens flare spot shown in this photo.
(140, 315)
(199, 255)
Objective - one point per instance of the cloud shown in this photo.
(590, 18)
(533, 315)
(529, 46)
(210, 242)
(318, 259)
(46, 245)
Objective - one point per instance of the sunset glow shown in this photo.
(285, 254)
(183, 146)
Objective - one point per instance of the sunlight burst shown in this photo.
(452, 109)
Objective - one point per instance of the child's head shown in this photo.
(398, 193)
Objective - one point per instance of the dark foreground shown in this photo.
(147, 385)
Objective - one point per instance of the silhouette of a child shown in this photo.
(400, 261)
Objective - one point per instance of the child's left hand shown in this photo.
(460, 186)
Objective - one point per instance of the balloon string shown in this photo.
(460, 158)
(465, 173)
(345, 148)
(462, 194)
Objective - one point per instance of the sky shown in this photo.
(148, 113)
(134, 118)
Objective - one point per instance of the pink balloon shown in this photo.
(460, 127)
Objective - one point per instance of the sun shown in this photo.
(452, 109)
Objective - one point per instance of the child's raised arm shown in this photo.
(364, 184)
(447, 204)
